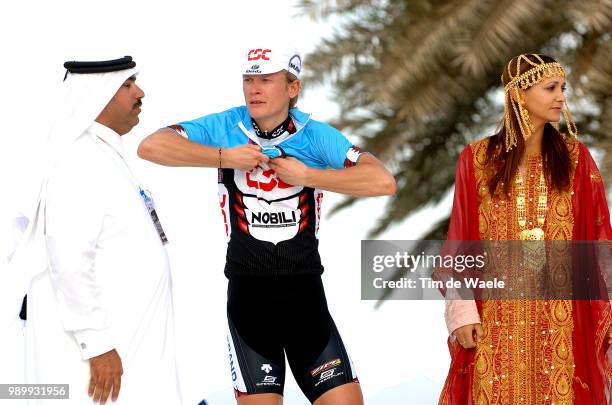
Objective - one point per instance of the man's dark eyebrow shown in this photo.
(132, 78)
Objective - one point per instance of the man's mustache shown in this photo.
(137, 104)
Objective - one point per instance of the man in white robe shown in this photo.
(99, 314)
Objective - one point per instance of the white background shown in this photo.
(187, 53)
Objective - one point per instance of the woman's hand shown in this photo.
(469, 335)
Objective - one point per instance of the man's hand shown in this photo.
(468, 335)
(243, 157)
(290, 170)
(106, 371)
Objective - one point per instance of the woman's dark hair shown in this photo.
(555, 155)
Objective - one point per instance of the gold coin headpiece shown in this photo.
(539, 71)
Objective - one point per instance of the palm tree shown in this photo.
(417, 80)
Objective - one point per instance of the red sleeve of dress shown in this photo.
(591, 318)
(463, 226)
(591, 213)
(464, 215)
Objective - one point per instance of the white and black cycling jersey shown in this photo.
(272, 227)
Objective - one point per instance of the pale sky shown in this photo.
(187, 53)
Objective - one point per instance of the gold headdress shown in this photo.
(539, 71)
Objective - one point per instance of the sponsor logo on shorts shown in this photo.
(266, 367)
(231, 360)
(327, 375)
(268, 380)
(326, 366)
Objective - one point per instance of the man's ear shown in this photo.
(294, 88)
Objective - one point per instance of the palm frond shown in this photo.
(417, 80)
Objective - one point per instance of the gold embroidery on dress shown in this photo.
(526, 355)
(596, 177)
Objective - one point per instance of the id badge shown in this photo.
(146, 196)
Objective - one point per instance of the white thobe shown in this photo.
(108, 285)
(11, 333)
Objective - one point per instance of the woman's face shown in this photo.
(545, 100)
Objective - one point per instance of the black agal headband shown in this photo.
(103, 66)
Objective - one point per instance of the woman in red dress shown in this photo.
(529, 182)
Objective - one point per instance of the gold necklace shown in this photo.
(536, 233)
(534, 251)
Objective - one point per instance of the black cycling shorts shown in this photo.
(269, 317)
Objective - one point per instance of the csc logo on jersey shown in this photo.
(270, 181)
(264, 182)
(256, 54)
